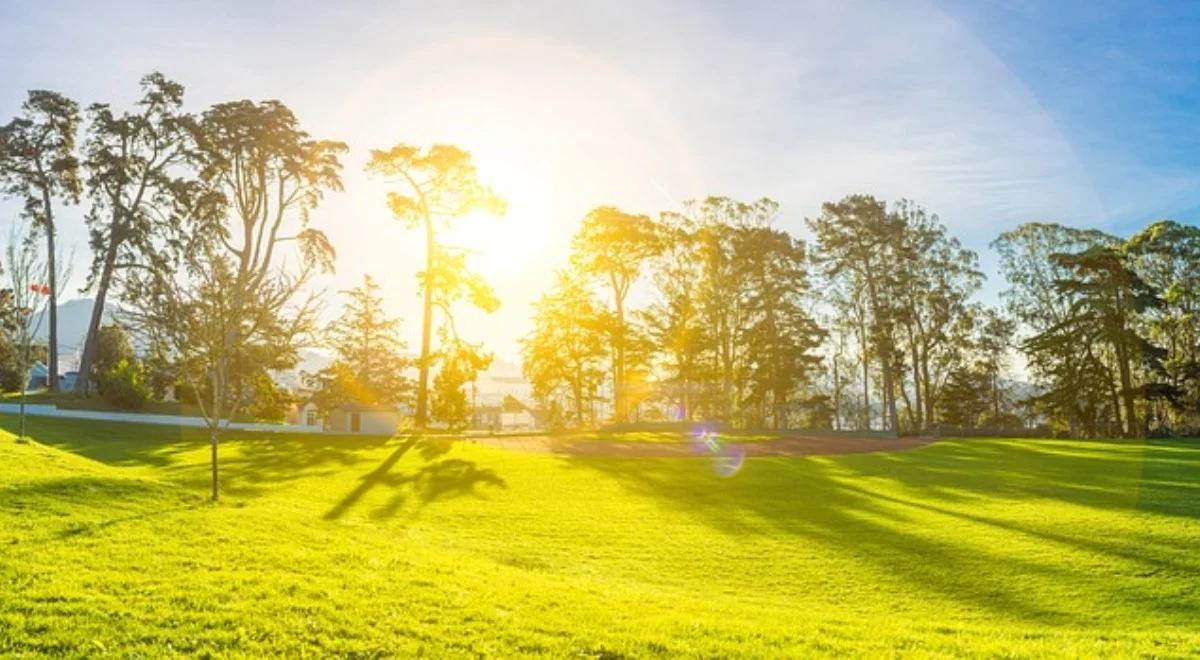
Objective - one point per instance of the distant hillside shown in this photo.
(73, 317)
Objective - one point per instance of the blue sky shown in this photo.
(1122, 82)
(990, 114)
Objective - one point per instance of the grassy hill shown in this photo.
(351, 546)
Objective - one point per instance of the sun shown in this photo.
(499, 246)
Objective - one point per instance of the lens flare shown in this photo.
(727, 459)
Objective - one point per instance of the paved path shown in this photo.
(800, 445)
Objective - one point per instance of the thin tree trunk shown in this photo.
(214, 435)
(426, 331)
(619, 393)
(52, 282)
(866, 385)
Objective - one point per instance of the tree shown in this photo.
(562, 356)
(723, 227)
(370, 360)
(38, 165)
(935, 279)
(1077, 389)
(992, 341)
(781, 335)
(1108, 298)
(136, 164)
(23, 306)
(232, 309)
(461, 363)
(857, 239)
(675, 322)
(124, 384)
(1166, 255)
(965, 399)
(439, 185)
(614, 247)
(112, 346)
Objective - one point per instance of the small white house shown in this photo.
(359, 418)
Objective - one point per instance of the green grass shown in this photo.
(328, 545)
(664, 437)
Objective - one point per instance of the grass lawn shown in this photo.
(667, 437)
(330, 545)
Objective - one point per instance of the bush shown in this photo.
(124, 385)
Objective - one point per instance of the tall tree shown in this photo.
(857, 241)
(935, 279)
(439, 185)
(563, 354)
(994, 332)
(781, 334)
(1077, 385)
(675, 322)
(141, 194)
(1108, 298)
(1166, 255)
(233, 309)
(370, 362)
(461, 363)
(39, 166)
(615, 247)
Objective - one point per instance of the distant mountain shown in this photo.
(73, 319)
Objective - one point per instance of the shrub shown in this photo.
(124, 385)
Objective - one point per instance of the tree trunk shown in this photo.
(214, 435)
(866, 369)
(837, 396)
(52, 282)
(917, 380)
(619, 393)
(1131, 421)
(83, 381)
(426, 332)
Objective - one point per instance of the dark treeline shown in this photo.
(199, 226)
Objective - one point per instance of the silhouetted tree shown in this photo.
(615, 247)
(439, 185)
(564, 352)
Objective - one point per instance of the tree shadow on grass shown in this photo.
(930, 543)
(254, 463)
(437, 479)
(1152, 475)
(85, 505)
(112, 443)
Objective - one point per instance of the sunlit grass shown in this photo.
(350, 545)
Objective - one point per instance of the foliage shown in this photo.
(370, 360)
(614, 247)
(231, 309)
(124, 384)
(141, 194)
(268, 401)
(38, 165)
(112, 345)
(461, 363)
(563, 355)
(437, 185)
